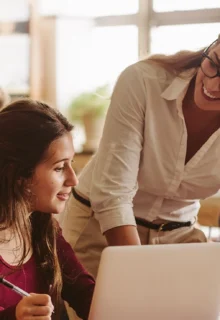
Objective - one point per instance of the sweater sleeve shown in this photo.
(78, 285)
(8, 314)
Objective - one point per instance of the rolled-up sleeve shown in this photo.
(114, 179)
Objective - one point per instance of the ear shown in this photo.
(24, 184)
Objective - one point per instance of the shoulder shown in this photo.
(144, 76)
(145, 69)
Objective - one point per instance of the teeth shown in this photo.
(208, 94)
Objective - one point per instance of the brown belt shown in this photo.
(81, 199)
(166, 226)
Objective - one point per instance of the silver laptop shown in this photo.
(161, 282)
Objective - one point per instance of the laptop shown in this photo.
(158, 282)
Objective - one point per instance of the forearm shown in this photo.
(122, 236)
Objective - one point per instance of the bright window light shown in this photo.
(88, 7)
(112, 50)
(170, 39)
(173, 5)
(14, 10)
(14, 63)
(93, 57)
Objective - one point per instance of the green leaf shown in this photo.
(94, 103)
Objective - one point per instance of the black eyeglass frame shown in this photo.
(205, 55)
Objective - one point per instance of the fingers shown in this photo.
(35, 306)
(41, 304)
(41, 311)
(40, 299)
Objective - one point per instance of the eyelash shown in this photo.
(59, 169)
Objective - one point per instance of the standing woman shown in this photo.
(36, 153)
(159, 155)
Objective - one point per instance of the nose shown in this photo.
(213, 84)
(71, 180)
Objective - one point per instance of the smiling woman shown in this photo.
(54, 177)
(208, 75)
(36, 153)
(158, 156)
(210, 67)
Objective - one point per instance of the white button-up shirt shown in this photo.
(140, 167)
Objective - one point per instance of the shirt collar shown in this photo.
(178, 85)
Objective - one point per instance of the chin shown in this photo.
(208, 106)
(203, 103)
(200, 103)
(202, 106)
(58, 210)
(54, 209)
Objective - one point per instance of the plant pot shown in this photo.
(93, 126)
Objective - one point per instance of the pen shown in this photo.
(14, 288)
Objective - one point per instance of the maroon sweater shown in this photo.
(77, 290)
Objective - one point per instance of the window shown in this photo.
(15, 46)
(89, 8)
(14, 10)
(14, 63)
(112, 50)
(91, 56)
(170, 39)
(173, 5)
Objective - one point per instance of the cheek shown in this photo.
(53, 185)
(199, 77)
(43, 187)
(198, 85)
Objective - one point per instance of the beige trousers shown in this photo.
(82, 231)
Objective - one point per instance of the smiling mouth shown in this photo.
(208, 95)
(63, 196)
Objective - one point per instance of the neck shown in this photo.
(202, 116)
(12, 247)
(6, 236)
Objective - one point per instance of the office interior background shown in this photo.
(55, 50)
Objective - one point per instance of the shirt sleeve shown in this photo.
(78, 285)
(8, 313)
(114, 179)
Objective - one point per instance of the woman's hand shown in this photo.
(36, 306)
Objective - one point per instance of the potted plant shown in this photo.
(90, 109)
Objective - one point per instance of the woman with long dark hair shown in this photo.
(36, 153)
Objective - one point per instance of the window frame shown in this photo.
(146, 18)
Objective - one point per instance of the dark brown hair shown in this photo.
(180, 61)
(27, 128)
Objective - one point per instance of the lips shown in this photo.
(63, 196)
(207, 95)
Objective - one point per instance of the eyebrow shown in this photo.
(217, 58)
(61, 160)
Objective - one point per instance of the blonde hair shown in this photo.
(4, 98)
(180, 61)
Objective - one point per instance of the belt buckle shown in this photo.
(161, 227)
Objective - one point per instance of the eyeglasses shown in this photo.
(208, 66)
